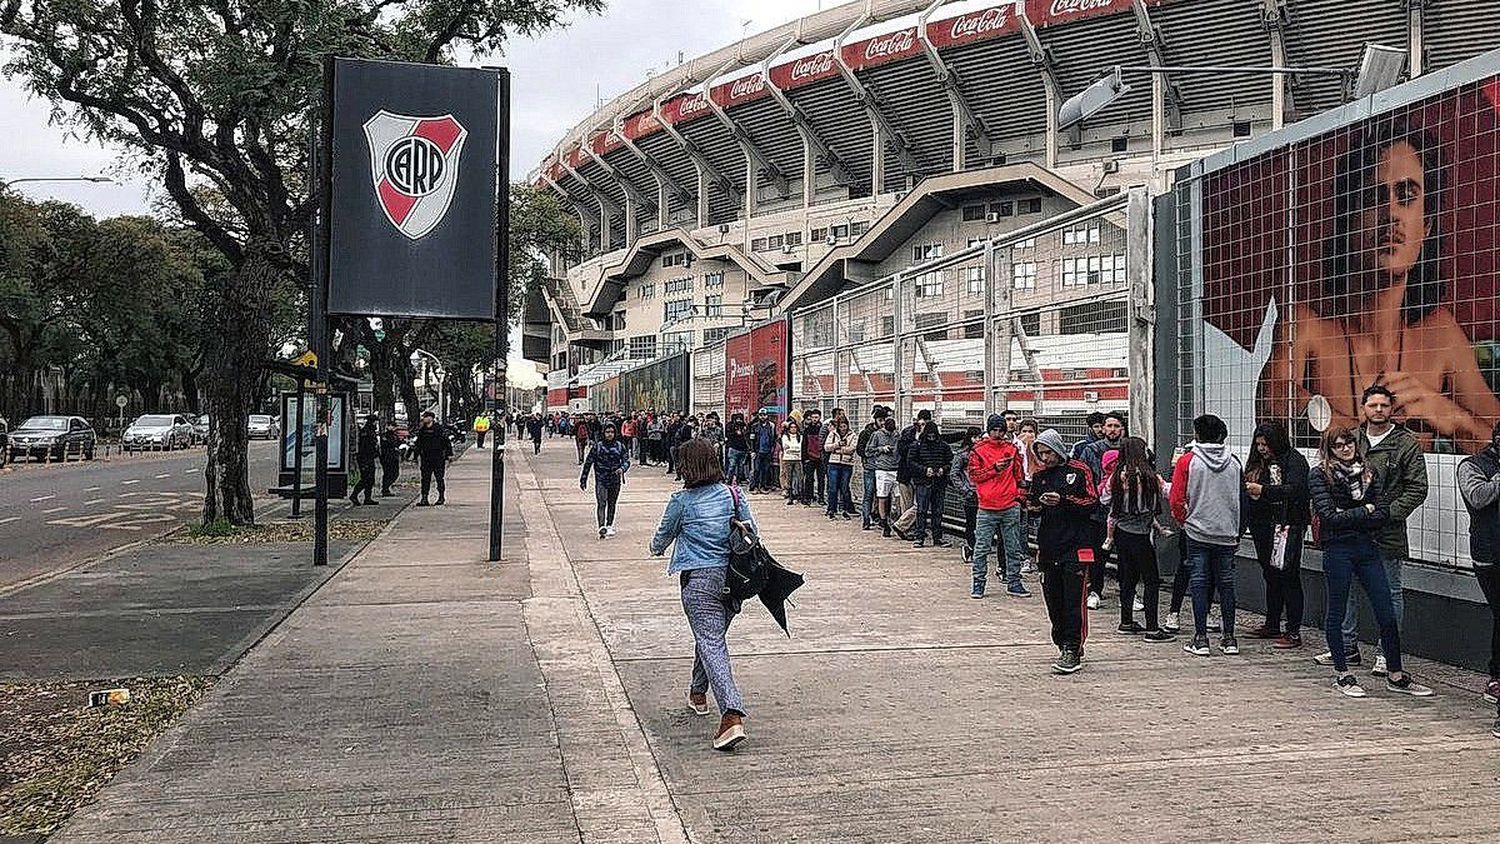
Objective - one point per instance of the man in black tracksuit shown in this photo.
(609, 460)
(1063, 492)
(367, 448)
(390, 459)
(433, 449)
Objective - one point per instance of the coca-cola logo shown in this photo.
(1074, 7)
(812, 66)
(891, 45)
(747, 86)
(973, 26)
(692, 105)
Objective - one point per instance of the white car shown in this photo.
(158, 432)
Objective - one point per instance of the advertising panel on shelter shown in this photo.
(414, 190)
(755, 370)
(1365, 255)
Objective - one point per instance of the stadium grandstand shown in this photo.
(858, 142)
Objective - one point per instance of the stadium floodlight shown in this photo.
(1097, 96)
(1380, 67)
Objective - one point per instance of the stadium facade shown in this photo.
(866, 139)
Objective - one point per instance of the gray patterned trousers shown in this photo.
(709, 617)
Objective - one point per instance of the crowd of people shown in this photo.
(1060, 512)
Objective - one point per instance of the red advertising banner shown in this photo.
(1045, 13)
(804, 71)
(746, 89)
(975, 26)
(882, 48)
(755, 370)
(1363, 256)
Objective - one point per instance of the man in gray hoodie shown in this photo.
(1205, 497)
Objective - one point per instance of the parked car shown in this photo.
(200, 428)
(52, 436)
(263, 426)
(158, 431)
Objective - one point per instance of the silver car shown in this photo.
(262, 426)
(158, 432)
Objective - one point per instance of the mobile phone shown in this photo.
(1085, 555)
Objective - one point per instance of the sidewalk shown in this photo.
(425, 695)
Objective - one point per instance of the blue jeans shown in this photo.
(764, 471)
(867, 504)
(1006, 523)
(1343, 560)
(838, 487)
(1211, 563)
(734, 464)
(1398, 607)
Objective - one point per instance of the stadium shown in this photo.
(858, 142)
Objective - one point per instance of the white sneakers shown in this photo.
(1093, 600)
(1379, 669)
(606, 532)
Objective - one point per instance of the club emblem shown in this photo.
(414, 168)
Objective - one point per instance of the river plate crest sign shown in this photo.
(414, 168)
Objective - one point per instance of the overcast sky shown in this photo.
(555, 82)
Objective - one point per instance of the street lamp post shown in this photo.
(7, 184)
(442, 378)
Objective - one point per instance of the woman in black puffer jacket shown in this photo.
(1275, 502)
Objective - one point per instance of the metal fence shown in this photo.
(1051, 321)
(708, 379)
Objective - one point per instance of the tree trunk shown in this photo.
(382, 378)
(238, 304)
(406, 381)
(190, 390)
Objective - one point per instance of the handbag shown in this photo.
(746, 574)
(1278, 547)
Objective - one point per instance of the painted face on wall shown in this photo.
(1390, 221)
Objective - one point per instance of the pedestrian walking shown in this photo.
(1346, 495)
(929, 460)
(696, 525)
(534, 428)
(481, 428)
(1276, 513)
(1133, 496)
(434, 450)
(580, 438)
(838, 450)
(1395, 455)
(366, 452)
(390, 458)
(609, 460)
(1206, 502)
(995, 471)
(1062, 493)
(1479, 484)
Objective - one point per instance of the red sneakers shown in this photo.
(731, 731)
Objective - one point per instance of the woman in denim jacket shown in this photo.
(697, 521)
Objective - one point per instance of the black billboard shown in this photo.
(415, 190)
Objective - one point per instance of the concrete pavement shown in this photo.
(423, 694)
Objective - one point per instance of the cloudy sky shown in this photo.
(555, 82)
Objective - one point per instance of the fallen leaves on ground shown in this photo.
(56, 751)
(356, 530)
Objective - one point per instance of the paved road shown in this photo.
(55, 515)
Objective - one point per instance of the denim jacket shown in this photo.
(698, 521)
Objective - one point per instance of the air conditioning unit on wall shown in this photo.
(992, 218)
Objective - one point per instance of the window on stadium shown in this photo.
(932, 321)
(974, 213)
(676, 309)
(648, 289)
(1030, 205)
(758, 245)
(974, 280)
(674, 259)
(713, 305)
(858, 228)
(1031, 324)
(1081, 233)
(1092, 318)
(794, 238)
(887, 326)
(974, 328)
(714, 335)
(1023, 275)
(1003, 209)
(857, 331)
(818, 235)
(840, 233)
(711, 280)
(926, 252)
(676, 341)
(619, 321)
(775, 241)
(643, 348)
(930, 284)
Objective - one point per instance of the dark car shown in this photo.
(52, 437)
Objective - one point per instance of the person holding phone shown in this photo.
(1062, 492)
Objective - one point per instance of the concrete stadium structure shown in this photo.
(870, 137)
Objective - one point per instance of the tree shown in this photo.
(216, 97)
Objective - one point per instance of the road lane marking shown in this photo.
(91, 489)
(92, 501)
(164, 475)
(7, 521)
(190, 472)
(41, 498)
(52, 510)
(128, 483)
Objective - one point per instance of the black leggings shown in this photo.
(1284, 585)
(606, 495)
(1138, 565)
(1489, 581)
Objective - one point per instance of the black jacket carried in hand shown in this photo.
(923, 455)
(432, 446)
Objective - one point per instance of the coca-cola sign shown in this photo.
(977, 26)
(746, 86)
(891, 46)
(812, 66)
(1061, 11)
(691, 105)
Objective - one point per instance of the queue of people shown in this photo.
(1100, 500)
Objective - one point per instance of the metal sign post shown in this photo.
(502, 315)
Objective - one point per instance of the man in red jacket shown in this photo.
(997, 473)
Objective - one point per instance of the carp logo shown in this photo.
(414, 168)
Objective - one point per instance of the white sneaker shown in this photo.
(1349, 685)
(1379, 669)
(1138, 605)
(1093, 600)
(609, 530)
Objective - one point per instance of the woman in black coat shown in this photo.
(1276, 512)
